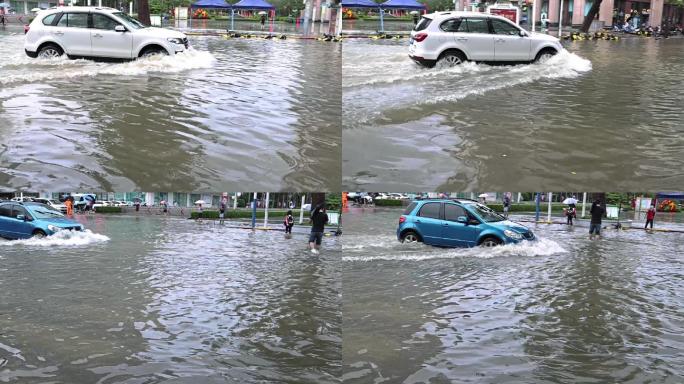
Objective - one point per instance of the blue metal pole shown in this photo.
(537, 201)
(254, 204)
(382, 22)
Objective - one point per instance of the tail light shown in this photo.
(402, 219)
(420, 37)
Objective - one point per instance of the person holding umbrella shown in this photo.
(136, 202)
(571, 211)
(319, 218)
(199, 204)
(164, 206)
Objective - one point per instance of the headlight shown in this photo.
(175, 40)
(513, 235)
(53, 228)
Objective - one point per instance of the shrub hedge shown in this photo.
(230, 214)
(108, 210)
(388, 203)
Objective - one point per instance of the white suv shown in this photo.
(455, 37)
(98, 33)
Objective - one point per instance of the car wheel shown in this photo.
(545, 55)
(490, 242)
(153, 51)
(38, 234)
(50, 51)
(452, 58)
(410, 237)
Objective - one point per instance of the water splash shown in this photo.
(61, 239)
(64, 68)
(543, 247)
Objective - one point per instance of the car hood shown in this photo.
(161, 32)
(543, 36)
(62, 222)
(510, 225)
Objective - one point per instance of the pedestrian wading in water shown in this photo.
(650, 216)
(288, 222)
(319, 218)
(597, 211)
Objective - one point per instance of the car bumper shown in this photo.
(32, 54)
(422, 61)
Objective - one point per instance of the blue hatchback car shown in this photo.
(458, 223)
(25, 220)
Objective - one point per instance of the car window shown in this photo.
(450, 25)
(104, 22)
(18, 210)
(73, 20)
(422, 24)
(49, 19)
(410, 208)
(45, 212)
(501, 27)
(429, 210)
(6, 210)
(474, 25)
(452, 212)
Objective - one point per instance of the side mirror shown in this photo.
(522, 33)
(462, 219)
(21, 217)
(120, 28)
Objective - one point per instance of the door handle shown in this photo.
(97, 35)
(501, 40)
(462, 38)
(60, 33)
(417, 221)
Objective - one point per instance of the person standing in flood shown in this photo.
(597, 211)
(69, 202)
(319, 218)
(506, 205)
(222, 210)
(288, 222)
(650, 216)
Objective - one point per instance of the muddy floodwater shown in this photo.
(149, 300)
(560, 310)
(248, 114)
(606, 114)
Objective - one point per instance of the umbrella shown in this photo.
(36, 10)
(262, 13)
(482, 195)
(89, 197)
(162, 202)
(570, 200)
(137, 200)
(198, 202)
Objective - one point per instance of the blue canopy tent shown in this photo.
(250, 4)
(398, 4)
(363, 4)
(670, 195)
(209, 4)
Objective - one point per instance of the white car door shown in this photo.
(473, 34)
(106, 41)
(509, 45)
(74, 33)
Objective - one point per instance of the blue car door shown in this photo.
(23, 229)
(5, 219)
(456, 233)
(429, 223)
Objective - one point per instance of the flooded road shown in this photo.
(561, 310)
(229, 113)
(606, 115)
(146, 300)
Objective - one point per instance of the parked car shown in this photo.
(456, 37)
(458, 223)
(52, 204)
(26, 220)
(24, 199)
(81, 200)
(97, 32)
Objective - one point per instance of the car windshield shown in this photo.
(39, 212)
(129, 21)
(486, 213)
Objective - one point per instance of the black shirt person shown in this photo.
(597, 211)
(319, 218)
